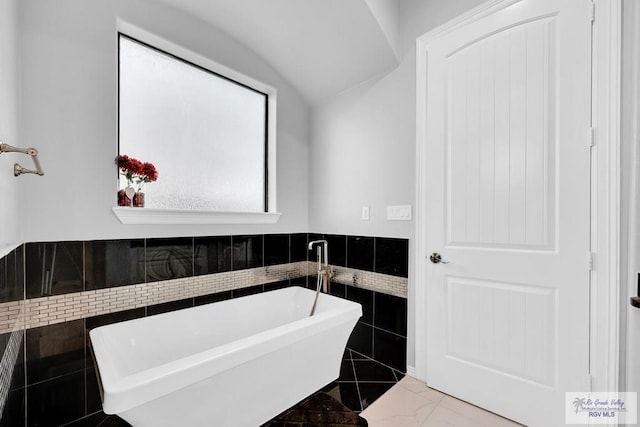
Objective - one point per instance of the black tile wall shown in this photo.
(54, 268)
(12, 288)
(168, 259)
(208, 299)
(55, 350)
(110, 263)
(248, 291)
(247, 252)
(337, 250)
(365, 298)
(169, 306)
(58, 385)
(277, 285)
(56, 402)
(12, 276)
(14, 409)
(392, 256)
(299, 247)
(381, 332)
(276, 249)
(338, 289)
(212, 255)
(107, 319)
(360, 252)
(390, 313)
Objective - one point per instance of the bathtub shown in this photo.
(238, 362)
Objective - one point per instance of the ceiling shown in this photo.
(322, 47)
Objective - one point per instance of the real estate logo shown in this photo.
(601, 408)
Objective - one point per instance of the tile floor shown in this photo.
(362, 380)
(411, 403)
(384, 397)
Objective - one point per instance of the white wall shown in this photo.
(10, 223)
(362, 155)
(630, 224)
(69, 109)
(363, 143)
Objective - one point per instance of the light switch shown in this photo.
(399, 213)
(365, 213)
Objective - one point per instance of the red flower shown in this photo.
(123, 162)
(135, 170)
(149, 172)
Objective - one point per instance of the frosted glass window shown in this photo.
(205, 134)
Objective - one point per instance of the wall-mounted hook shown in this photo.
(17, 169)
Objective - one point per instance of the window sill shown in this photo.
(128, 215)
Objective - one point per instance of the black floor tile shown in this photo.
(370, 370)
(347, 393)
(114, 421)
(399, 375)
(346, 371)
(321, 409)
(390, 349)
(358, 356)
(361, 339)
(99, 419)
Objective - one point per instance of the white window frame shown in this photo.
(128, 215)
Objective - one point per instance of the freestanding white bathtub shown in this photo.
(238, 362)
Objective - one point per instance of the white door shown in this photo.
(508, 207)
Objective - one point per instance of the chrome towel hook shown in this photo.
(17, 169)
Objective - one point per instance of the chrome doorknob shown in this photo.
(436, 258)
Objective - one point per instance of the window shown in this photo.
(208, 134)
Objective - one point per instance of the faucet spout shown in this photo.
(325, 250)
(324, 274)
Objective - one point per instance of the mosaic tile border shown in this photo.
(11, 352)
(50, 310)
(384, 283)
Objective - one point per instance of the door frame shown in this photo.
(605, 191)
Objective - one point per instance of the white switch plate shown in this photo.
(399, 213)
(365, 213)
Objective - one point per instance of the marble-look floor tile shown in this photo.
(481, 416)
(399, 407)
(411, 403)
(445, 417)
(420, 388)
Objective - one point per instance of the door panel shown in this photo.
(508, 180)
(500, 144)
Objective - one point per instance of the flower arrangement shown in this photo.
(137, 173)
